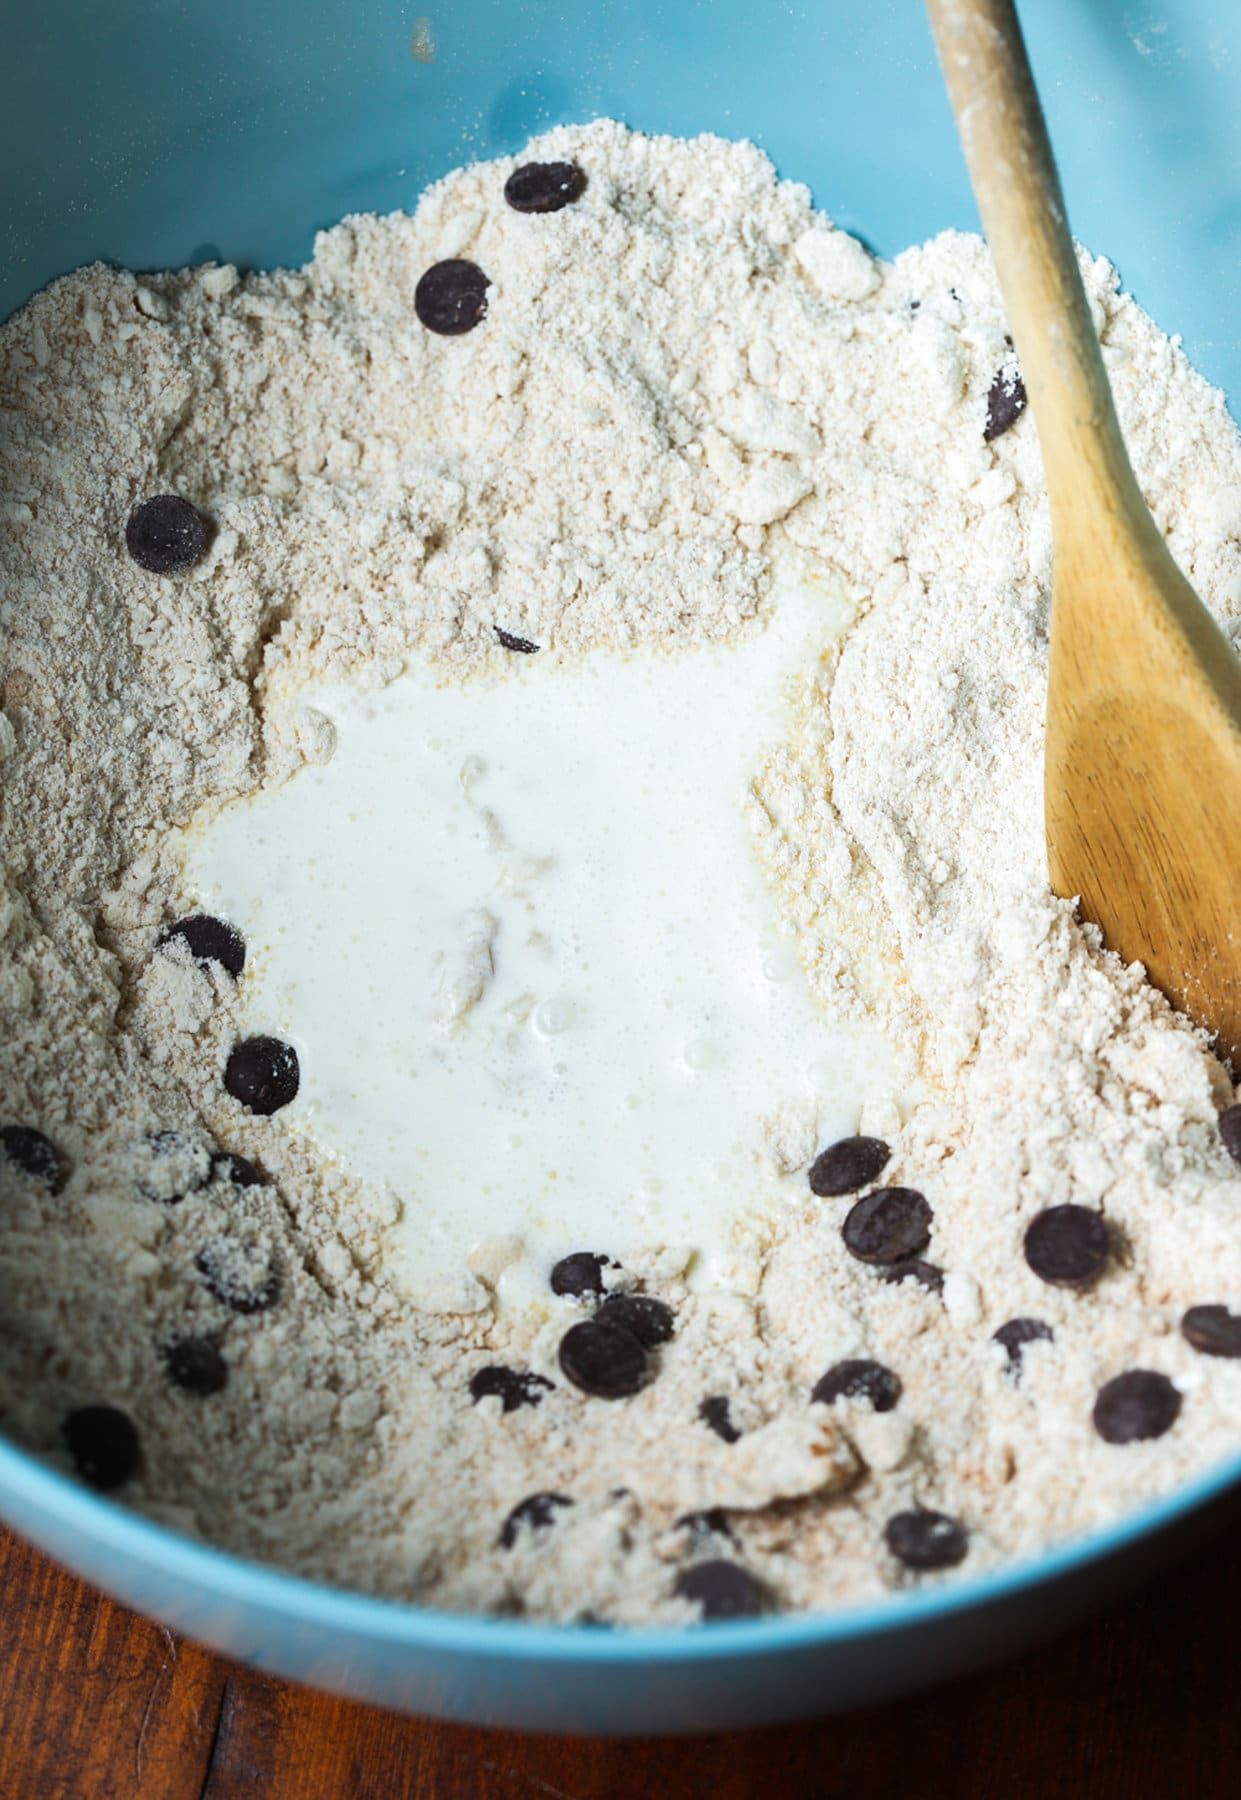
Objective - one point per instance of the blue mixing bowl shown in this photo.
(153, 133)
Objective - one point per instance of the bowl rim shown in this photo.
(259, 1586)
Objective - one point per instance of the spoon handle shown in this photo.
(1013, 171)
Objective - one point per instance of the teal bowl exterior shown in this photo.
(152, 133)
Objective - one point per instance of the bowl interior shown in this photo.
(151, 134)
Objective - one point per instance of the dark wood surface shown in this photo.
(1143, 1704)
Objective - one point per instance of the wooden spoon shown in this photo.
(1142, 778)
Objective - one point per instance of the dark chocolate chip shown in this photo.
(209, 940)
(711, 1523)
(713, 1411)
(544, 187)
(923, 1539)
(103, 1444)
(581, 1275)
(1005, 403)
(35, 1155)
(912, 1268)
(242, 1275)
(195, 1365)
(651, 1321)
(887, 1226)
(515, 1387)
(263, 1073)
(165, 534)
(1067, 1244)
(1230, 1131)
(174, 1166)
(451, 297)
(848, 1165)
(226, 1165)
(1213, 1330)
(1141, 1403)
(536, 1512)
(858, 1379)
(604, 1360)
(724, 1590)
(1016, 1334)
(515, 643)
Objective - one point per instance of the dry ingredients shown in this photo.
(578, 399)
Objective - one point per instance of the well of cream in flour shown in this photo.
(520, 934)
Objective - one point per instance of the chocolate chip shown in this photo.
(536, 1512)
(604, 1360)
(263, 1073)
(1068, 1245)
(544, 187)
(1005, 403)
(581, 1275)
(242, 1275)
(35, 1155)
(711, 1523)
(651, 1321)
(195, 1365)
(515, 643)
(173, 1166)
(515, 1387)
(451, 297)
(713, 1411)
(226, 1165)
(1141, 1403)
(887, 1226)
(912, 1268)
(858, 1379)
(923, 1539)
(165, 534)
(1016, 1334)
(848, 1165)
(1230, 1131)
(1213, 1330)
(724, 1590)
(209, 940)
(103, 1444)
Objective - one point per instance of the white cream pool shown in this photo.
(520, 934)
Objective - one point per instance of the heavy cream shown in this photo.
(520, 934)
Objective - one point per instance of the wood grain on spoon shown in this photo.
(1142, 781)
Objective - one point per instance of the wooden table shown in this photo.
(1143, 1705)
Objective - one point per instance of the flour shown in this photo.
(679, 376)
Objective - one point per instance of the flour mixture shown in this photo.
(755, 1196)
